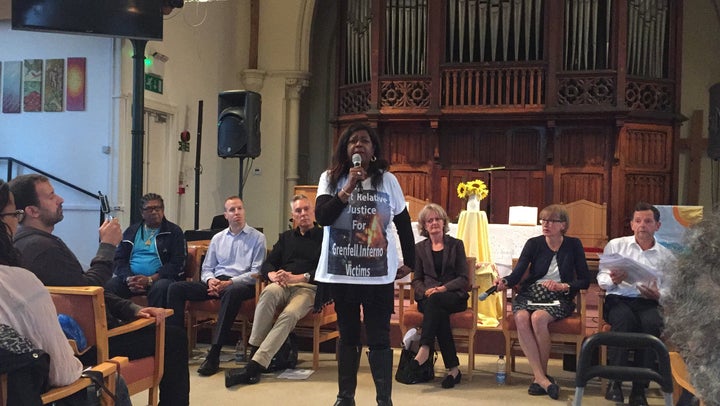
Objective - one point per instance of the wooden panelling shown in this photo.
(581, 147)
(408, 145)
(577, 185)
(413, 183)
(514, 188)
(643, 173)
(526, 147)
(648, 148)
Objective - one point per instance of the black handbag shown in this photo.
(27, 368)
(407, 375)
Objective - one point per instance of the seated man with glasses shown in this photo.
(150, 257)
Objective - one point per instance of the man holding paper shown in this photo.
(630, 272)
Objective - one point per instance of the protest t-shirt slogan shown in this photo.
(358, 240)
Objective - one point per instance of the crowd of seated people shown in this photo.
(148, 259)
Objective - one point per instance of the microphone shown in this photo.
(487, 293)
(357, 161)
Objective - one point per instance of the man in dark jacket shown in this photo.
(150, 257)
(54, 264)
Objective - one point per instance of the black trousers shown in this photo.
(436, 311)
(231, 299)
(632, 315)
(156, 295)
(377, 303)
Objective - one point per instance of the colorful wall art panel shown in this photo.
(12, 86)
(32, 85)
(76, 84)
(54, 81)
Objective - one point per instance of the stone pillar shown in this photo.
(294, 86)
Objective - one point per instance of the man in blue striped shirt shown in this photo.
(233, 257)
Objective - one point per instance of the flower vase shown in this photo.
(473, 203)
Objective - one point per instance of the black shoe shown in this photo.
(450, 381)
(536, 390)
(550, 378)
(237, 376)
(553, 390)
(210, 366)
(614, 392)
(637, 398)
(344, 402)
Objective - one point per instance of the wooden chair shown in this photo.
(588, 222)
(681, 377)
(320, 327)
(463, 324)
(86, 304)
(203, 314)
(109, 373)
(566, 335)
(414, 206)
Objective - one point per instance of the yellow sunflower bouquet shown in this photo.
(473, 187)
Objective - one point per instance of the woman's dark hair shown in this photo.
(341, 162)
(8, 253)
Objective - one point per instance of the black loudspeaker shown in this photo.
(714, 123)
(239, 124)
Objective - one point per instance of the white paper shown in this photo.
(553, 303)
(637, 273)
(296, 374)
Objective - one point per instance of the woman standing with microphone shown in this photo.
(557, 270)
(357, 201)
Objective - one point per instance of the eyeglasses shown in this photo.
(19, 214)
(150, 209)
(545, 221)
(433, 219)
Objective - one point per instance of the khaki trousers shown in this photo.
(295, 300)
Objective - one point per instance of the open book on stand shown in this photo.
(637, 272)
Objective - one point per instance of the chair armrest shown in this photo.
(108, 370)
(136, 324)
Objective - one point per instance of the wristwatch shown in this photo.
(307, 276)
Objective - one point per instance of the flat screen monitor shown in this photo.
(139, 19)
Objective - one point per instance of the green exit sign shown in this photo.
(153, 83)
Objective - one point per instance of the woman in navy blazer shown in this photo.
(557, 271)
(440, 282)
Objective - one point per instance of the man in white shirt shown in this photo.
(634, 307)
(233, 258)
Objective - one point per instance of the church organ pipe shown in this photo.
(358, 30)
(583, 41)
(472, 19)
(647, 27)
(506, 28)
(406, 37)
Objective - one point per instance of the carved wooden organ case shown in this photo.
(554, 100)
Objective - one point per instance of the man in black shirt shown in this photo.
(290, 268)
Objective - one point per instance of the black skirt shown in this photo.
(537, 297)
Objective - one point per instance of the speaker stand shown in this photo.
(240, 179)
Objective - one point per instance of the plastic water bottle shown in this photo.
(240, 350)
(500, 374)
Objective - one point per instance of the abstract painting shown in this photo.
(32, 85)
(76, 84)
(12, 86)
(54, 81)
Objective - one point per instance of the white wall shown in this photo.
(701, 69)
(207, 46)
(66, 144)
